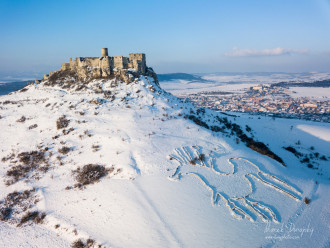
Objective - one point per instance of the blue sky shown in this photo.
(176, 35)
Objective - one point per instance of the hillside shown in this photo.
(119, 162)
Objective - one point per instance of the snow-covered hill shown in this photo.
(129, 165)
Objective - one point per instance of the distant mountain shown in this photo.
(8, 87)
(180, 76)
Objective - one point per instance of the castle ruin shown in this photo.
(104, 66)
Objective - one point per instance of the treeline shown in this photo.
(323, 83)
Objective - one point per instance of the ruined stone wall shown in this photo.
(47, 76)
(120, 62)
(104, 66)
(73, 64)
(66, 66)
(138, 62)
(88, 61)
(137, 56)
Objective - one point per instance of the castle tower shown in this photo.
(138, 62)
(104, 52)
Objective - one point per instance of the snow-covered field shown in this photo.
(266, 77)
(184, 87)
(169, 182)
(321, 132)
(315, 93)
(240, 82)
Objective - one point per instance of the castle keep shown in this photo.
(104, 66)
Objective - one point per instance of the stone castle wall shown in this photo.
(105, 65)
(120, 62)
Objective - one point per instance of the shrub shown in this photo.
(33, 157)
(22, 119)
(5, 213)
(201, 157)
(307, 200)
(33, 126)
(15, 204)
(60, 78)
(263, 149)
(323, 158)
(64, 150)
(34, 216)
(236, 129)
(293, 150)
(90, 174)
(305, 160)
(107, 94)
(17, 198)
(80, 87)
(80, 244)
(198, 121)
(18, 172)
(217, 129)
(90, 242)
(62, 122)
(67, 131)
(96, 148)
(201, 111)
(192, 162)
(10, 156)
(30, 161)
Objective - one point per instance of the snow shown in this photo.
(316, 93)
(321, 132)
(184, 87)
(266, 77)
(143, 202)
(240, 82)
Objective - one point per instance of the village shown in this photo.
(264, 100)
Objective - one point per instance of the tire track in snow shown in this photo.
(296, 214)
(189, 157)
(68, 231)
(170, 237)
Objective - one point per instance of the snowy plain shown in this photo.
(155, 196)
(315, 93)
(240, 82)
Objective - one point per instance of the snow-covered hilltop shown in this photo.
(119, 162)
